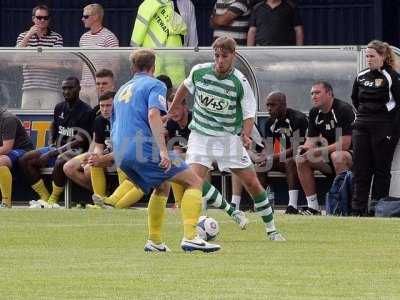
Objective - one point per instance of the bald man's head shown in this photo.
(276, 104)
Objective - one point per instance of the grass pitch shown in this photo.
(98, 254)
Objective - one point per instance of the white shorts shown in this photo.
(227, 151)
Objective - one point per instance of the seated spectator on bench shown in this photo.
(74, 168)
(328, 142)
(177, 135)
(14, 142)
(70, 135)
(284, 131)
(127, 193)
(102, 158)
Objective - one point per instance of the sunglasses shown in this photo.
(46, 18)
(86, 16)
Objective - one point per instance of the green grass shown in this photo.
(98, 254)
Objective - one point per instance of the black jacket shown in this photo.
(376, 95)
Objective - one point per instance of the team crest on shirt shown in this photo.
(162, 100)
(378, 82)
(177, 162)
(211, 102)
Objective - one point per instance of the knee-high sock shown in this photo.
(119, 192)
(264, 209)
(130, 198)
(121, 176)
(98, 179)
(178, 191)
(156, 213)
(5, 185)
(191, 208)
(55, 194)
(41, 189)
(214, 198)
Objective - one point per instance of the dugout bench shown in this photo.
(289, 69)
(223, 176)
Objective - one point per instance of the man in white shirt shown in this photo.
(98, 36)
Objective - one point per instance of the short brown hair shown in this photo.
(106, 96)
(104, 73)
(327, 86)
(225, 43)
(42, 7)
(143, 59)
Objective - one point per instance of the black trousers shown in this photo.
(373, 145)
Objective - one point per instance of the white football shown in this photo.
(207, 228)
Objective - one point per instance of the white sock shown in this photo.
(293, 196)
(312, 202)
(236, 201)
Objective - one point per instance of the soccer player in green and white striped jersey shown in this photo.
(224, 107)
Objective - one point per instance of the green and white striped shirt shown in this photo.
(220, 105)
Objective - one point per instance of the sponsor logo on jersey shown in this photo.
(61, 116)
(212, 102)
(330, 125)
(66, 131)
(368, 83)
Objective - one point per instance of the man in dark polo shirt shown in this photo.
(178, 128)
(14, 142)
(328, 141)
(70, 135)
(74, 168)
(284, 131)
(275, 23)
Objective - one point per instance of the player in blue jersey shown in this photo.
(140, 151)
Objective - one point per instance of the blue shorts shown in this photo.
(14, 154)
(51, 162)
(147, 174)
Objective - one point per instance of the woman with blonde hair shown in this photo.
(376, 98)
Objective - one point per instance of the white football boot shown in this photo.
(152, 247)
(198, 244)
